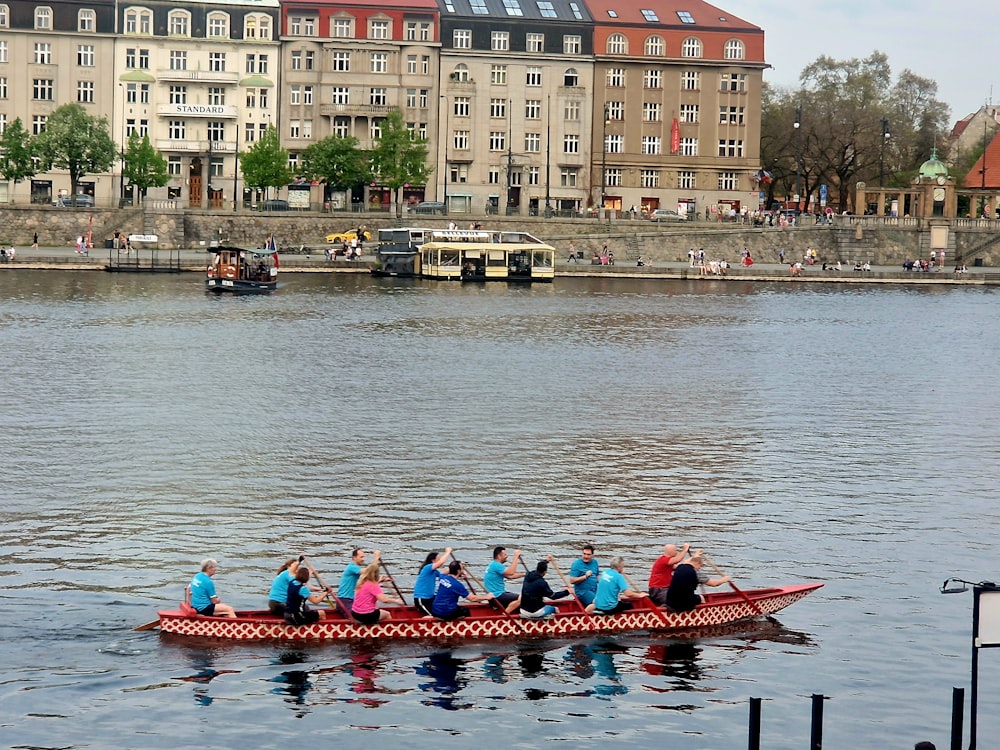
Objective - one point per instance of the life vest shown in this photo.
(295, 607)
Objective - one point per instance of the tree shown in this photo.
(265, 163)
(144, 166)
(16, 155)
(76, 142)
(337, 161)
(399, 158)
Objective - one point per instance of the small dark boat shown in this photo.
(234, 270)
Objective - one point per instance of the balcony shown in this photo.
(195, 147)
(215, 111)
(330, 110)
(198, 76)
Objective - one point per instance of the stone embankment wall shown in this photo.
(179, 228)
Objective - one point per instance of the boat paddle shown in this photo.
(570, 589)
(148, 625)
(392, 580)
(468, 574)
(753, 605)
(650, 602)
(334, 602)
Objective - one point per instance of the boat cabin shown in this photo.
(486, 255)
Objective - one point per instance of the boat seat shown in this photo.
(187, 610)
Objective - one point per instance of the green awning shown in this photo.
(137, 76)
(257, 82)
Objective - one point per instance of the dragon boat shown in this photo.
(485, 622)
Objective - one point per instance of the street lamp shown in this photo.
(881, 155)
(982, 175)
(447, 118)
(548, 155)
(798, 155)
(604, 158)
(121, 181)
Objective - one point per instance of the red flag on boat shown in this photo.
(272, 248)
(675, 137)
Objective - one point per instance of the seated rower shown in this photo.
(498, 573)
(297, 610)
(204, 600)
(278, 596)
(349, 579)
(365, 608)
(535, 590)
(613, 591)
(663, 572)
(682, 596)
(450, 590)
(427, 579)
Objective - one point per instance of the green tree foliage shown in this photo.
(265, 163)
(144, 166)
(840, 140)
(337, 161)
(76, 142)
(16, 155)
(399, 158)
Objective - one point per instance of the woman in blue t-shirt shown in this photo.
(278, 596)
(426, 585)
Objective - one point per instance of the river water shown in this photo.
(812, 432)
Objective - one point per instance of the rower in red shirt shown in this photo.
(663, 572)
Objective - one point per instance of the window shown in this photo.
(649, 178)
(85, 92)
(571, 110)
(650, 145)
(615, 143)
(652, 78)
(178, 23)
(571, 144)
(42, 89)
(730, 147)
(691, 47)
(498, 108)
(3, 123)
(43, 53)
(341, 126)
(617, 44)
(654, 46)
(174, 166)
(297, 59)
(377, 96)
(216, 131)
(425, 64)
(3, 87)
(493, 175)
(461, 39)
(341, 95)
(343, 28)
(689, 113)
(479, 7)
(178, 60)
(379, 62)
(294, 128)
(295, 26)
(532, 109)
(217, 62)
(650, 15)
(263, 28)
(218, 25)
(411, 31)
(498, 140)
(138, 22)
(685, 180)
(461, 73)
(38, 123)
(690, 80)
(513, 7)
(651, 111)
(572, 44)
(425, 31)
(342, 61)
(613, 177)
(571, 77)
(498, 74)
(499, 41)
(685, 16)
(534, 42)
(731, 116)
(137, 58)
(534, 175)
(461, 140)
(615, 77)
(411, 64)
(177, 130)
(43, 19)
(614, 110)
(143, 93)
(728, 181)
(310, 60)
(533, 76)
(532, 142)
(178, 94)
(5, 18)
(85, 55)
(733, 82)
(215, 167)
(131, 93)
(515, 177)
(567, 176)
(689, 146)
(378, 30)
(546, 9)
(216, 96)
(295, 94)
(734, 50)
(462, 106)
(86, 20)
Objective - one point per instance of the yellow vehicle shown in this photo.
(347, 236)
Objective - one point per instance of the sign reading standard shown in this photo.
(199, 109)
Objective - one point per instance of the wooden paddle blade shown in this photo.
(149, 625)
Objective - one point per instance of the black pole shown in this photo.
(816, 735)
(974, 695)
(957, 706)
(754, 724)
(236, 165)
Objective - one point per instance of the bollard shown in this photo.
(957, 708)
(816, 736)
(754, 723)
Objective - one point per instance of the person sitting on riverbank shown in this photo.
(613, 591)
(961, 268)
(535, 590)
(278, 596)
(368, 595)
(450, 591)
(204, 598)
(795, 269)
(297, 610)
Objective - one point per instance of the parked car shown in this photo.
(428, 207)
(665, 214)
(82, 200)
(347, 236)
(273, 205)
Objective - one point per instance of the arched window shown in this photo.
(461, 73)
(654, 46)
(43, 18)
(4, 16)
(571, 77)
(218, 25)
(691, 47)
(617, 44)
(179, 23)
(86, 20)
(735, 50)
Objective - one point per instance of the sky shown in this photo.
(948, 42)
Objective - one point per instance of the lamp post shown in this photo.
(881, 155)
(604, 158)
(548, 155)
(121, 181)
(982, 174)
(446, 136)
(798, 155)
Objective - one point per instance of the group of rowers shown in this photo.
(673, 584)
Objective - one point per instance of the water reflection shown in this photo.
(588, 660)
(203, 662)
(293, 683)
(448, 677)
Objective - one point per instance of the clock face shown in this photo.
(941, 180)
(916, 180)
(938, 195)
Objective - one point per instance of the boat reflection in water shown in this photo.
(447, 679)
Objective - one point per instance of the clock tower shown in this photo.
(936, 189)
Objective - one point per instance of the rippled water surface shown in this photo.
(808, 432)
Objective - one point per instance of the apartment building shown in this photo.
(677, 90)
(516, 80)
(346, 65)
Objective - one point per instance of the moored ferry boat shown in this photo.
(486, 255)
(485, 622)
(398, 251)
(234, 270)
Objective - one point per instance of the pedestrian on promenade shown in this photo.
(34, 241)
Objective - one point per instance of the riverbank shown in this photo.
(193, 261)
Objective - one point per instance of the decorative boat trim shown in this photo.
(484, 622)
